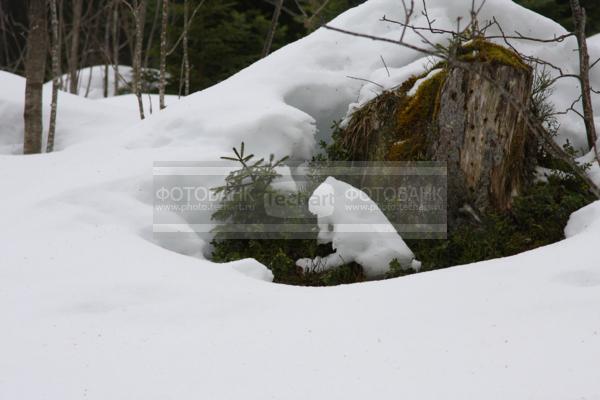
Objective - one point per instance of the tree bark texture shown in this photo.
(139, 17)
(579, 19)
(55, 54)
(481, 136)
(74, 52)
(35, 67)
(163, 54)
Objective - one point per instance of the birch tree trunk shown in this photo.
(272, 29)
(35, 67)
(74, 56)
(579, 19)
(186, 56)
(55, 76)
(106, 49)
(115, 46)
(139, 16)
(163, 54)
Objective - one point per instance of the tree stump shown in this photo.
(459, 116)
(482, 136)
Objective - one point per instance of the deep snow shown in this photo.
(93, 306)
(357, 230)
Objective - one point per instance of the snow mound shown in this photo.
(93, 306)
(78, 119)
(358, 231)
(253, 269)
(130, 102)
(90, 83)
(584, 220)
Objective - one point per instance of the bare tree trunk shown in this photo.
(55, 76)
(186, 55)
(61, 39)
(163, 54)
(579, 19)
(272, 29)
(35, 67)
(115, 45)
(74, 56)
(106, 49)
(139, 16)
(151, 35)
(5, 60)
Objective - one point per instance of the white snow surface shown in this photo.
(358, 231)
(93, 306)
(129, 101)
(90, 81)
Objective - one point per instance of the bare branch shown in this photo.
(365, 80)
(385, 65)
(180, 38)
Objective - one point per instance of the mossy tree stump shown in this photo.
(482, 136)
(459, 117)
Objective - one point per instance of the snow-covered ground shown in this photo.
(90, 80)
(93, 306)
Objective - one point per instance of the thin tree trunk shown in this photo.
(61, 39)
(115, 45)
(4, 29)
(163, 54)
(35, 67)
(106, 49)
(151, 35)
(91, 46)
(55, 76)
(139, 16)
(186, 55)
(272, 29)
(74, 56)
(579, 19)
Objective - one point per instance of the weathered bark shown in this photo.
(163, 54)
(55, 75)
(35, 67)
(272, 29)
(579, 19)
(481, 136)
(464, 117)
(74, 53)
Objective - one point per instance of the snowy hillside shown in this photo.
(90, 80)
(94, 306)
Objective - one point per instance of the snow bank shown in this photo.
(253, 269)
(358, 231)
(586, 219)
(78, 119)
(93, 305)
(130, 102)
(90, 83)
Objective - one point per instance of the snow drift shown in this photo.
(91, 305)
(358, 231)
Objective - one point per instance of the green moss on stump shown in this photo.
(397, 127)
(480, 50)
(415, 121)
(394, 126)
